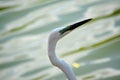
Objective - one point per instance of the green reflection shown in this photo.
(91, 46)
(13, 63)
(114, 13)
(41, 77)
(21, 27)
(90, 77)
(35, 71)
(2, 8)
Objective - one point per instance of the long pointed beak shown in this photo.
(74, 26)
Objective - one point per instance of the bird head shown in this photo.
(58, 33)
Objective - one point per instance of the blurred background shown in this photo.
(92, 50)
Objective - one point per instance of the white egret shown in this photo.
(57, 34)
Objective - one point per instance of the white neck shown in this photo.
(58, 62)
(51, 48)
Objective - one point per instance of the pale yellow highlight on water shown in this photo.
(76, 65)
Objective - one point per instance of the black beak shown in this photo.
(73, 26)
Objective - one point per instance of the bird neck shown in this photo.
(51, 47)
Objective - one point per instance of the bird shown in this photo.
(54, 37)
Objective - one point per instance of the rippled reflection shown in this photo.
(92, 50)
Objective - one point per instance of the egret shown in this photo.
(55, 35)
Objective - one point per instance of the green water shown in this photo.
(25, 26)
